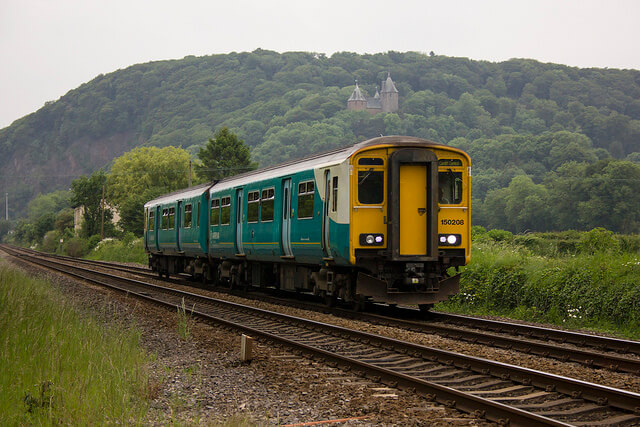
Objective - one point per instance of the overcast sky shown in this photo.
(48, 47)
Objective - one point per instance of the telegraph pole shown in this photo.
(102, 222)
(189, 172)
(6, 206)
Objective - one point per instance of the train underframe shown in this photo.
(374, 280)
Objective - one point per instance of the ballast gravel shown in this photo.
(198, 377)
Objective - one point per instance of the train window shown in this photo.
(267, 204)
(187, 216)
(253, 206)
(215, 212)
(198, 223)
(305, 199)
(172, 218)
(449, 162)
(370, 186)
(334, 201)
(151, 224)
(225, 211)
(165, 218)
(450, 188)
(371, 161)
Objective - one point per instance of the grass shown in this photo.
(62, 367)
(184, 322)
(598, 290)
(120, 251)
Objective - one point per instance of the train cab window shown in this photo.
(371, 161)
(151, 224)
(449, 162)
(306, 192)
(267, 204)
(172, 218)
(370, 186)
(450, 187)
(225, 211)
(334, 201)
(187, 216)
(253, 206)
(165, 218)
(215, 212)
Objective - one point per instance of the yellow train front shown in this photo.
(409, 219)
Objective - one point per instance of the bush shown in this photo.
(477, 231)
(587, 289)
(500, 235)
(51, 241)
(92, 242)
(75, 247)
(598, 240)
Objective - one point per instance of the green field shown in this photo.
(63, 367)
(578, 280)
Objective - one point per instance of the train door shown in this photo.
(178, 224)
(413, 204)
(325, 213)
(158, 220)
(413, 208)
(286, 217)
(239, 219)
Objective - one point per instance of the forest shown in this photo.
(552, 147)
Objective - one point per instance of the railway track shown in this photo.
(591, 350)
(497, 391)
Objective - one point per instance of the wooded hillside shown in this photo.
(516, 118)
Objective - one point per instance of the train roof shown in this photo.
(185, 193)
(328, 158)
(320, 160)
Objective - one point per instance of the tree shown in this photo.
(224, 155)
(148, 169)
(131, 211)
(5, 226)
(87, 192)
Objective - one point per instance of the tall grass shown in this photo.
(120, 251)
(598, 289)
(61, 367)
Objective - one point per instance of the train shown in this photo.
(386, 220)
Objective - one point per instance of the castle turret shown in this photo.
(356, 102)
(389, 95)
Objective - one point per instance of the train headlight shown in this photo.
(371, 239)
(450, 239)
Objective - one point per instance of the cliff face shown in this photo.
(30, 170)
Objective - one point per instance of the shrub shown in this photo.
(75, 247)
(500, 235)
(51, 241)
(92, 242)
(598, 240)
(477, 231)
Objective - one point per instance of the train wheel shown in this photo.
(330, 300)
(424, 308)
(360, 304)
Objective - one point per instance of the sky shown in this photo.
(48, 47)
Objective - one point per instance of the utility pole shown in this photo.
(102, 222)
(6, 206)
(189, 172)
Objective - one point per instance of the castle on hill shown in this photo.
(385, 101)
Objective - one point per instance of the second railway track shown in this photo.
(498, 391)
(587, 349)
